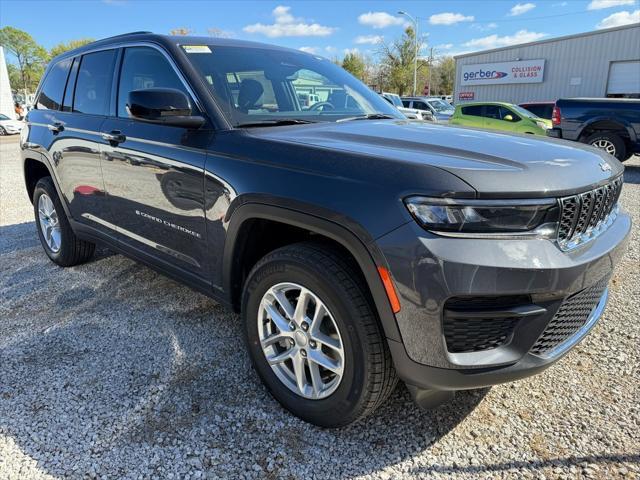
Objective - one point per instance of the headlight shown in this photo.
(486, 217)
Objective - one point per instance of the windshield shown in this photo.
(440, 105)
(4, 117)
(253, 85)
(395, 99)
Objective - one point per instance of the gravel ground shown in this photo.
(112, 370)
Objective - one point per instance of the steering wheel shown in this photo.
(319, 105)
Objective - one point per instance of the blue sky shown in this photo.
(329, 27)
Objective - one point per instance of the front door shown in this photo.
(154, 174)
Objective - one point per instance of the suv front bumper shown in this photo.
(429, 271)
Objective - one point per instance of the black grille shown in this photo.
(570, 317)
(582, 213)
(467, 330)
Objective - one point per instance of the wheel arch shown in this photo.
(608, 124)
(366, 259)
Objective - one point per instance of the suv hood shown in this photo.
(495, 164)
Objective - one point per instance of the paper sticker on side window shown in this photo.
(196, 49)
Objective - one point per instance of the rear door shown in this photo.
(154, 174)
(71, 132)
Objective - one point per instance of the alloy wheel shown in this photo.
(301, 341)
(49, 223)
(605, 145)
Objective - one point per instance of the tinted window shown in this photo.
(505, 111)
(406, 103)
(144, 67)
(93, 85)
(492, 111)
(473, 110)
(540, 110)
(67, 104)
(420, 105)
(50, 97)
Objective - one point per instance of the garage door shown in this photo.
(624, 78)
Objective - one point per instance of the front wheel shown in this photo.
(313, 336)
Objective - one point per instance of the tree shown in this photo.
(354, 64)
(30, 56)
(183, 31)
(64, 47)
(447, 73)
(398, 60)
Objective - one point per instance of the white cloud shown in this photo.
(484, 28)
(286, 25)
(313, 50)
(355, 51)
(620, 18)
(368, 39)
(521, 8)
(494, 41)
(330, 49)
(379, 19)
(601, 4)
(444, 46)
(448, 18)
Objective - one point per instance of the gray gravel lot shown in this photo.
(112, 370)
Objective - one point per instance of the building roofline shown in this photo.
(549, 40)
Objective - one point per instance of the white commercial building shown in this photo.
(604, 63)
(6, 98)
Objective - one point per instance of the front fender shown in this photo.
(361, 247)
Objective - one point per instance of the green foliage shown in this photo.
(30, 56)
(355, 65)
(65, 47)
(398, 60)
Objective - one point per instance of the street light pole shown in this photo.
(415, 59)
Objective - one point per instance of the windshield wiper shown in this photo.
(368, 116)
(274, 123)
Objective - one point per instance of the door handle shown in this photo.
(56, 127)
(115, 136)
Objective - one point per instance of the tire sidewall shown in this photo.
(617, 142)
(345, 399)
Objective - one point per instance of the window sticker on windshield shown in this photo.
(196, 48)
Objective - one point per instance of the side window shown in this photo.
(406, 103)
(420, 105)
(67, 103)
(144, 67)
(93, 85)
(492, 111)
(505, 111)
(50, 97)
(473, 110)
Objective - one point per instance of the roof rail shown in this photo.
(124, 34)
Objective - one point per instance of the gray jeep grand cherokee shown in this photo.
(357, 245)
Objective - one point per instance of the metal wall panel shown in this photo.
(586, 57)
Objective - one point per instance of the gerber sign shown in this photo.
(526, 71)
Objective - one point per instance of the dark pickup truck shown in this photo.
(610, 124)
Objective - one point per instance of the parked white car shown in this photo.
(9, 126)
(412, 113)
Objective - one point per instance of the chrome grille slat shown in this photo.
(584, 216)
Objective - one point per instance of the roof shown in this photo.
(550, 40)
(170, 40)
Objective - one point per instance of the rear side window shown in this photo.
(473, 110)
(144, 67)
(93, 85)
(67, 103)
(50, 97)
(420, 105)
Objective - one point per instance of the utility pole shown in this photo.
(430, 64)
(415, 59)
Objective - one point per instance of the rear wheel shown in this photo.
(56, 236)
(610, 143)
(314, 337)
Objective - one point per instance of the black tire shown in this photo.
(72, 251)
(620, 148)
(369, 376)
(3, 132)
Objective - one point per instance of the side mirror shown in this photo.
(508, 118)
(166, 106)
